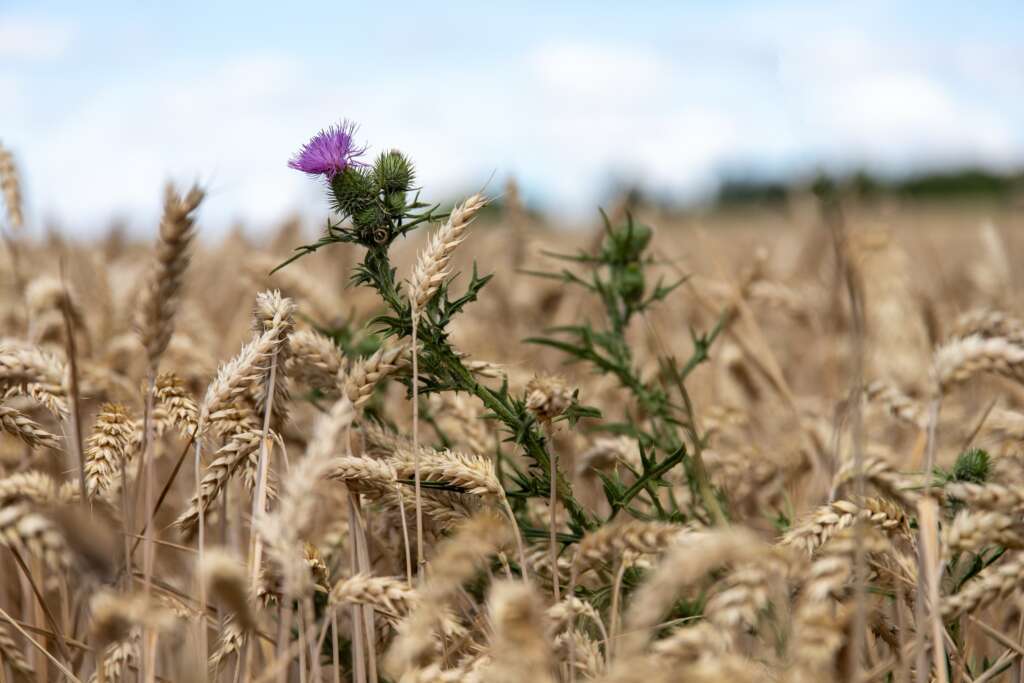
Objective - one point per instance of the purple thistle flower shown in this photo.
(329, 152)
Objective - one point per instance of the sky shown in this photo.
(103, 103)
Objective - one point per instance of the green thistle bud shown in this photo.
(371, 224)
(631, 284)
(395, 203)
(354, 190)
(972, 466)
(394, 172)
(627, 243)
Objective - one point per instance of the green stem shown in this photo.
(652, 474)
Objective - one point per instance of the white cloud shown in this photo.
(862, 100)
(34, 38)
(565, 115)
(576, 69)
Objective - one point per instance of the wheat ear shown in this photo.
(995, 583)
(107, 448)
(10, 186)
(315, 361)
(32, 372)
(176, 403)
(19, 425)
(960, 359)
(678, 569)
(225, 580)
(520, 650)
(432, 263)
(158, 302)
(828, 520)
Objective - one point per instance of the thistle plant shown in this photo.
(618, 277)
(378, 203)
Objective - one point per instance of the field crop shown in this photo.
(455, 443)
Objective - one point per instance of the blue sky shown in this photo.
(103, 102)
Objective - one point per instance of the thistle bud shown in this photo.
(354, 190)
(394, 172)
(395, 203)
(631, 285)
(371, 223)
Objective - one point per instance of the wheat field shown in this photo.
(751, 445)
